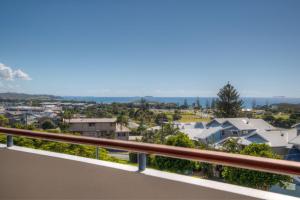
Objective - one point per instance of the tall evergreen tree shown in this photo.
(197, 104)
(185, 104)
(253, 103)
(229, 103)
(213, 103)
(207, 105)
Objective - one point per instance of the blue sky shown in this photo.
(158, 48)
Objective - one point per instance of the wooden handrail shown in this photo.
(221, 158)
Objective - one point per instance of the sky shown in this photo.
(165, 48)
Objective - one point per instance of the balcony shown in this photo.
(35, 174)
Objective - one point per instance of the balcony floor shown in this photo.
(25, 175)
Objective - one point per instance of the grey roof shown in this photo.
(246, 123)
(274, 138)
(278, 138)
(122, 129)
(296, 125)
(91, 120)
(207, 133)
(193, 129)
(295, 140)
(132, 125)
(154, 128)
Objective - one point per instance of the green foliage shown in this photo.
(161, 118)
(165, 131)
(255, 179)
(185, 104)
(229, 103)
(59, 147)
(231, 145)
(197, 105)
(279, 121)
(173, 164)
(123, 119)
(3, 121)
(213, 103)
(48, 124)
(177, 115)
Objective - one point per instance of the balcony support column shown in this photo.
(9, 141)
(97, 153)
(142, 161)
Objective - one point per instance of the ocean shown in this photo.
(248, 101)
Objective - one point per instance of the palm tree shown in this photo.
(122, 119)
(143, 113)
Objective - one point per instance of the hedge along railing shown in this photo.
(221, 158)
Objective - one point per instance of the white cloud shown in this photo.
(7, 73)
(21, 75)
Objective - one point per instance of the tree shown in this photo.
(185, 104)
(255, 179)
(229, 103)
(173, 164)
(123, 119)
(176, 116)
(165, 131)
(67, 115)
(207, 106)
(197, 104)
(47, 124)
(143, 114)
(213, 103)
(3, 121)
(254, 104)
(161, 118)
(231, 145)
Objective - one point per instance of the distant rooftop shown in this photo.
(91, 120)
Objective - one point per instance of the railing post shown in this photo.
(9, 141)
(142, 161)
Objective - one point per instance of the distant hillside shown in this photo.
(21, 96)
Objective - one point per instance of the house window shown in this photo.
(235, 132)
(121, 134)
(92, 124)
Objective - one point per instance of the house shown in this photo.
(220, 128)
(98, 127)
(278, 140)
(294, 152)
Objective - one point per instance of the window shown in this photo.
(222, 133)
(121, 134)
(92, 124)
(235, 132)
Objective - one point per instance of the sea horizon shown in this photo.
(248, 101)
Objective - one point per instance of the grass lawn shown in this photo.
(282, 115)
(188, 117)
(193, 118)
